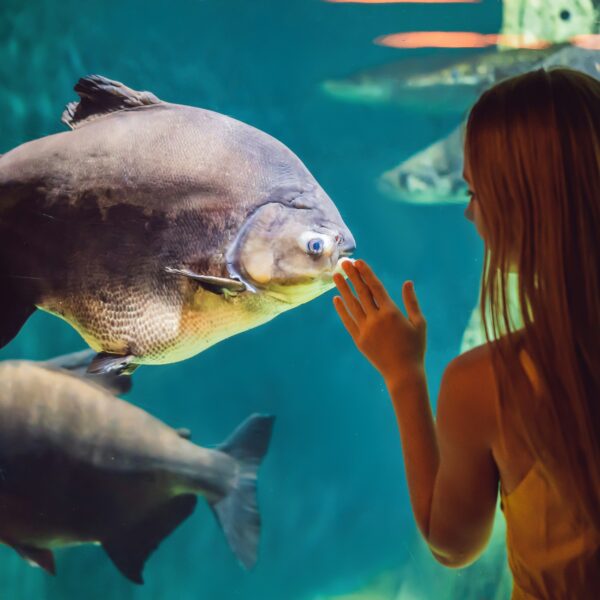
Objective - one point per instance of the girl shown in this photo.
(519, 415)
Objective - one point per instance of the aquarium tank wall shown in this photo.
(371, 97)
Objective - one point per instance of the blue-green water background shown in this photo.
(332, 490)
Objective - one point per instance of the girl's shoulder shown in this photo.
(474, 366)
(469, 391)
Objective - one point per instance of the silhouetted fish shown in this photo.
(78, 465)
(157, 229)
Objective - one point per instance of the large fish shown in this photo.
(434, 175)
(78, 465)
(157, 229)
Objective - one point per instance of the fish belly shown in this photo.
(160, 328)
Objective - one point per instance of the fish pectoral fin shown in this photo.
(107, 363)
(38, 557)
(216, 285)
(101, 96)
(77, 364)
(130, 547)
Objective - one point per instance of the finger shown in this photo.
(344, 315)
(413, 310)
(362, 289)
(352, 304)
(377, 289)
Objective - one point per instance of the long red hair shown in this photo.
(533, 147)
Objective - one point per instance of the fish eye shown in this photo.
(315, 246)
(565, 14)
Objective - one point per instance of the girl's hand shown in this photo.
(393, 343)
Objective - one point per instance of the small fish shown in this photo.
(157, 230)
(78, 465)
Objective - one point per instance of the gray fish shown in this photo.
(157, 230)
(434, 84)
(78, 465)
(434, 175)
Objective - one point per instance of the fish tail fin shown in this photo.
(237, 512)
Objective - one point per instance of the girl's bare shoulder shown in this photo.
(473, 368)
(469, 389)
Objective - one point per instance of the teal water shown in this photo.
(332, 492)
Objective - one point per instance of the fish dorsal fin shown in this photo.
(130, 547)
(101, 96)
(184, 433)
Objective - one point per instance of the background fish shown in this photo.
(449, 84)
(157, 229)
(79, 465)
(434, 175)
(434, 84)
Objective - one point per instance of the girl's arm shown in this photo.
(451, 474)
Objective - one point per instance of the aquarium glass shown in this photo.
(336, 517)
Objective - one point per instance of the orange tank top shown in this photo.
(551, 556)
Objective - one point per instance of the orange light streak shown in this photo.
(588, 41)
(456, 39)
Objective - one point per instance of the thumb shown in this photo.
(413, 310)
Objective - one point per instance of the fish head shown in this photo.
(290, 247)
(431, 176)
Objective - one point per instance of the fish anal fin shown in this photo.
(130, 548)
(216, 285)
(107, 363)
(101, 96)
(38, 557)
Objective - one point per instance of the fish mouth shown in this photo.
(299, 293)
